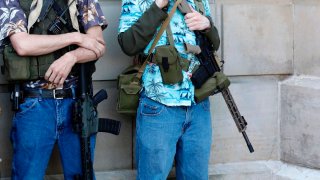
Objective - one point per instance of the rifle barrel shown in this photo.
(250, 147)
(237, 117)
(87, 166)
(206, 53)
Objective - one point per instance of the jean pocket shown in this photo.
(27, 105)
(150, 107)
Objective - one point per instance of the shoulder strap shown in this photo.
(185, 8)
(45, 9)
(199, 6)
(170, 35)
(163, 27)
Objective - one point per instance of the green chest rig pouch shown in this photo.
(211, 84)
(54, 19)
(168, 60)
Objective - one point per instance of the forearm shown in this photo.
(34, 45)
(83, 55)
(138, 36)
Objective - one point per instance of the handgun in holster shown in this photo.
(16, 97)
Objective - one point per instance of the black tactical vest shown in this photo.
(39, 65)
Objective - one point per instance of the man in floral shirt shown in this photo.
(42, 120)
(170, 125)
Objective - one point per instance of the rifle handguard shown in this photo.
(109, 126)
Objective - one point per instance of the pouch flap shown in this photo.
(194, 49)
(166, 51)
(131, 88)
(131, 69)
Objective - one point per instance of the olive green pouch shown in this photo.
(207, 89)
(43, 64)
(217, 83)
(222, 81)
(129, 88)
(168, 60)
(15, 67)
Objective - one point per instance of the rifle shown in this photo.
(86, 121)
(209, 67)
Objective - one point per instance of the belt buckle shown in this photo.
(54, 94)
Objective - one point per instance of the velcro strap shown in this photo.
(184, 7)
(194, 49)
(45, 9)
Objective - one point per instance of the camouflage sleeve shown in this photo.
(136, 34)
(12, 19)
(90, 14)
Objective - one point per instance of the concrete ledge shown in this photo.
(299, 121)
(262, 170)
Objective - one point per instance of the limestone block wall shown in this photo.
(299, 95)
(270, 49)
(278, 39)
(300, 121)
(257, 47)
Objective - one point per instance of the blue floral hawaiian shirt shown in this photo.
(181, 94)
(13, 20)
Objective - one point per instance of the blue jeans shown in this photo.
(167, 133)
(37, 126)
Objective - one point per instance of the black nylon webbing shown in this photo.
(45, 9)
(59, 11)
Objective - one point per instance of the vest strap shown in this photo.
(45, 9)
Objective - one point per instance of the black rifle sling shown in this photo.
(60, 11)
(47, 4)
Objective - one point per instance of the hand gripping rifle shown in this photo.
(87, 123)
(209, 67)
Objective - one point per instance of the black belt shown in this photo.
(49, 93)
